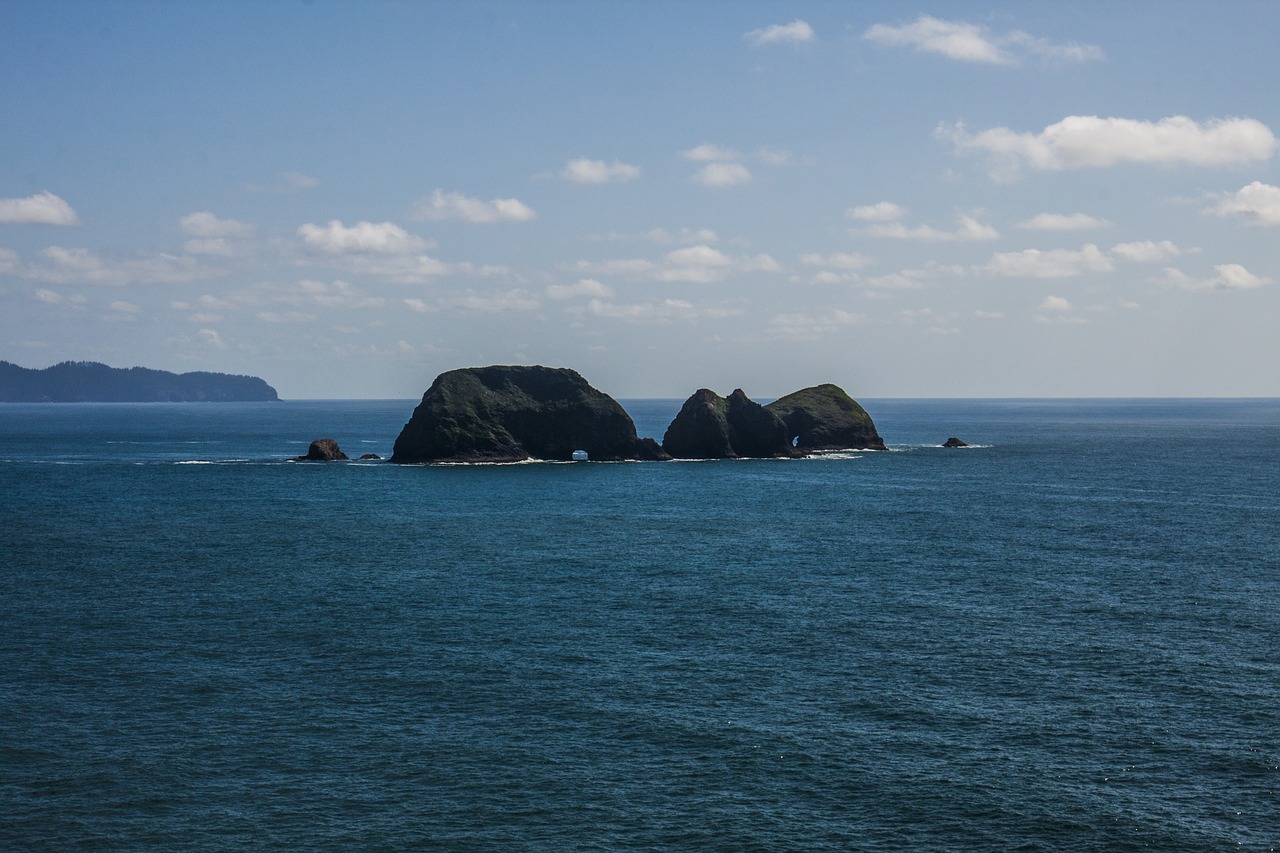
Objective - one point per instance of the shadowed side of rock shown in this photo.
(824, 417)
(513, 413)
(322, 450)
(713, 427)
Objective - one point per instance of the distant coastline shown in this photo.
(92, 382)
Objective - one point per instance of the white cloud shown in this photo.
(444, 205)
(703, 264)
(49, 297)
(584, 171)
(837, 260)
(902, 280)
(700, 264)
(491, 303)
(1079, 142)
(1229, 277)
(43, 208)
(801, 326)
(1146, 251)
(1256, 203)
(1063, 222)
(968, 230)
(81, 266)
(214, 236)
(975, 43)
(581, 287)
(684, 235)
(1054, 263)
(794, 32)
(1056, 304)
(885, 211)
(319, 294)
(401, 269)
(419, 306)
(665, 311)
(722, 175)
(361, 238)
(707, 151)
(211, 338)
(286, 317)
(774, 156)
(205, 224)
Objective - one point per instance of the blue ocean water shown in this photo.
(1064, 638)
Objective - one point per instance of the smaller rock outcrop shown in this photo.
(713, 427)
(824, 417)
(954, 442)
(322, 450)
(370, 456)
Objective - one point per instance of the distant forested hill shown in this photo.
(90, 382)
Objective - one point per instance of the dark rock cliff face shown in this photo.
(322, 450)
(513, 413)
(91, 382)
(713, 427)
(824, 417)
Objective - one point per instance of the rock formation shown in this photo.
(954, 442)
(513, 413)
(322, 450)
(824, 417)
(713, 427)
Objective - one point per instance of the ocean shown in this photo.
(1065, 637)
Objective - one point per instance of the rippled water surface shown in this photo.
(1066, 637)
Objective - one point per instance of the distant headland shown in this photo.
(91, 382)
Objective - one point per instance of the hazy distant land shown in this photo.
(91, 382)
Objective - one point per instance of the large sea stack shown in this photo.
(713, 427)
(513, 413)
(824, 417)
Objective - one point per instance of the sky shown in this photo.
(957, 199)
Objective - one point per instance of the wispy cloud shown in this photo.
(585, 171)
(967, 229)
(885, 211)
(1146, 251)
(723, 175)
(580, 288)
(43, 208)
(82, 266)
(211, 235)
(967, 42)
(1079, 142)
(1229, 277)
(794, 33)
(709, 151)
(454, 205)
(1052, 263)
(1063, 222)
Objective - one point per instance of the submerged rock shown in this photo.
(713, 427)
(322, 450)
(954, 442)
(513, 413)
(824, 417)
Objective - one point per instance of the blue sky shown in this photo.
(963, 199)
